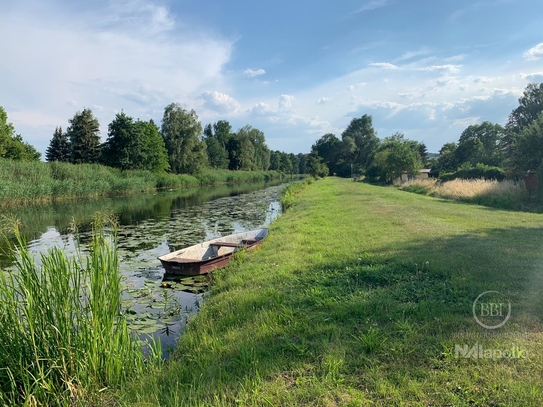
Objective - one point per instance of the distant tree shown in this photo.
(223, 131)
(124, 147)
(329, 148)
(134, 145)
(216, 151)
(315, 166)
(360, 142)
(286, 164)
(398, 156)
(59, 147)
(156, 156)
(182, 134)
(295, 161)
(12, 146)
(275, 160)
(530, 107)
(527, 151)
(489, 152)
(302, 160)
(447, 161)
(83, 133)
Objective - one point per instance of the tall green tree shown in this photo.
(329, 147)
(59, 147)
(216, 151)
(489, 151)
(530, 107)
(527, 151)
(156, 156)
(12, 146)
(124, 147)
(83, 133)
(182, 134)
(396, 156)
(360, 142)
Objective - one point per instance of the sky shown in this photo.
(295, 70)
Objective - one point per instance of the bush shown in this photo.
(480, 171)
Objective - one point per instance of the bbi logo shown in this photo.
(491, 310)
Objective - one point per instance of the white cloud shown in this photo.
(372, 5)
(323, 100)
(534, 53)
(533, 77)
(412, 54)
(383, 65)
(443, 68)
(250, 73)
(354, 87)
(285, 102)
(220, 102)
(122, 55)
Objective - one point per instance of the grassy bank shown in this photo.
(34, 182)
(497, 194)
(359, 297)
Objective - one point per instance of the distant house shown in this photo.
(404, 177)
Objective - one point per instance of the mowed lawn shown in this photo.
(358, 297)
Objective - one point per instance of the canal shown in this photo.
(151, 225)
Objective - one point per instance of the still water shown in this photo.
(151, 225)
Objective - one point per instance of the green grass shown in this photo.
(358, 297)
(39, 182)
(64, 339)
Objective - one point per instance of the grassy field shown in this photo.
(360, 297)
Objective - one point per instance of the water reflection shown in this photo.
(152, 225)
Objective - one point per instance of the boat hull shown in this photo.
(213, 254)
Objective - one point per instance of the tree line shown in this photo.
(180, 145)
(483, 150)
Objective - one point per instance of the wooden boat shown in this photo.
(204, 257)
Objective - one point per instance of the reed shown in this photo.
(64, 337)
(289, 195)
(35, 182)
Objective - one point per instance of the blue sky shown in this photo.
(293, 69)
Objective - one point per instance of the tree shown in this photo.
(489, 151)
(447, 161)
(397, 155)
(530, 107)
(59, 147)
(216, 151)
(360, 142)
(316, 167)
(156, 156)
(328, 147)
(124, 147)
(295, 163)
(83, 134)
(302, 160)
(528, 148)
(182, 134)
(12, 146)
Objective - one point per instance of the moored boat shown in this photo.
(204, 257)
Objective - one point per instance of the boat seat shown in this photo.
(226, 244)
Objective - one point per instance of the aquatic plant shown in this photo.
(64, 336)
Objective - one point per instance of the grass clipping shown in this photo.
(63, 336)
(499, 194)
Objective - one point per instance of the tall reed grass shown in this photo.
(30, 182)
(64, 337)
(500, 194)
